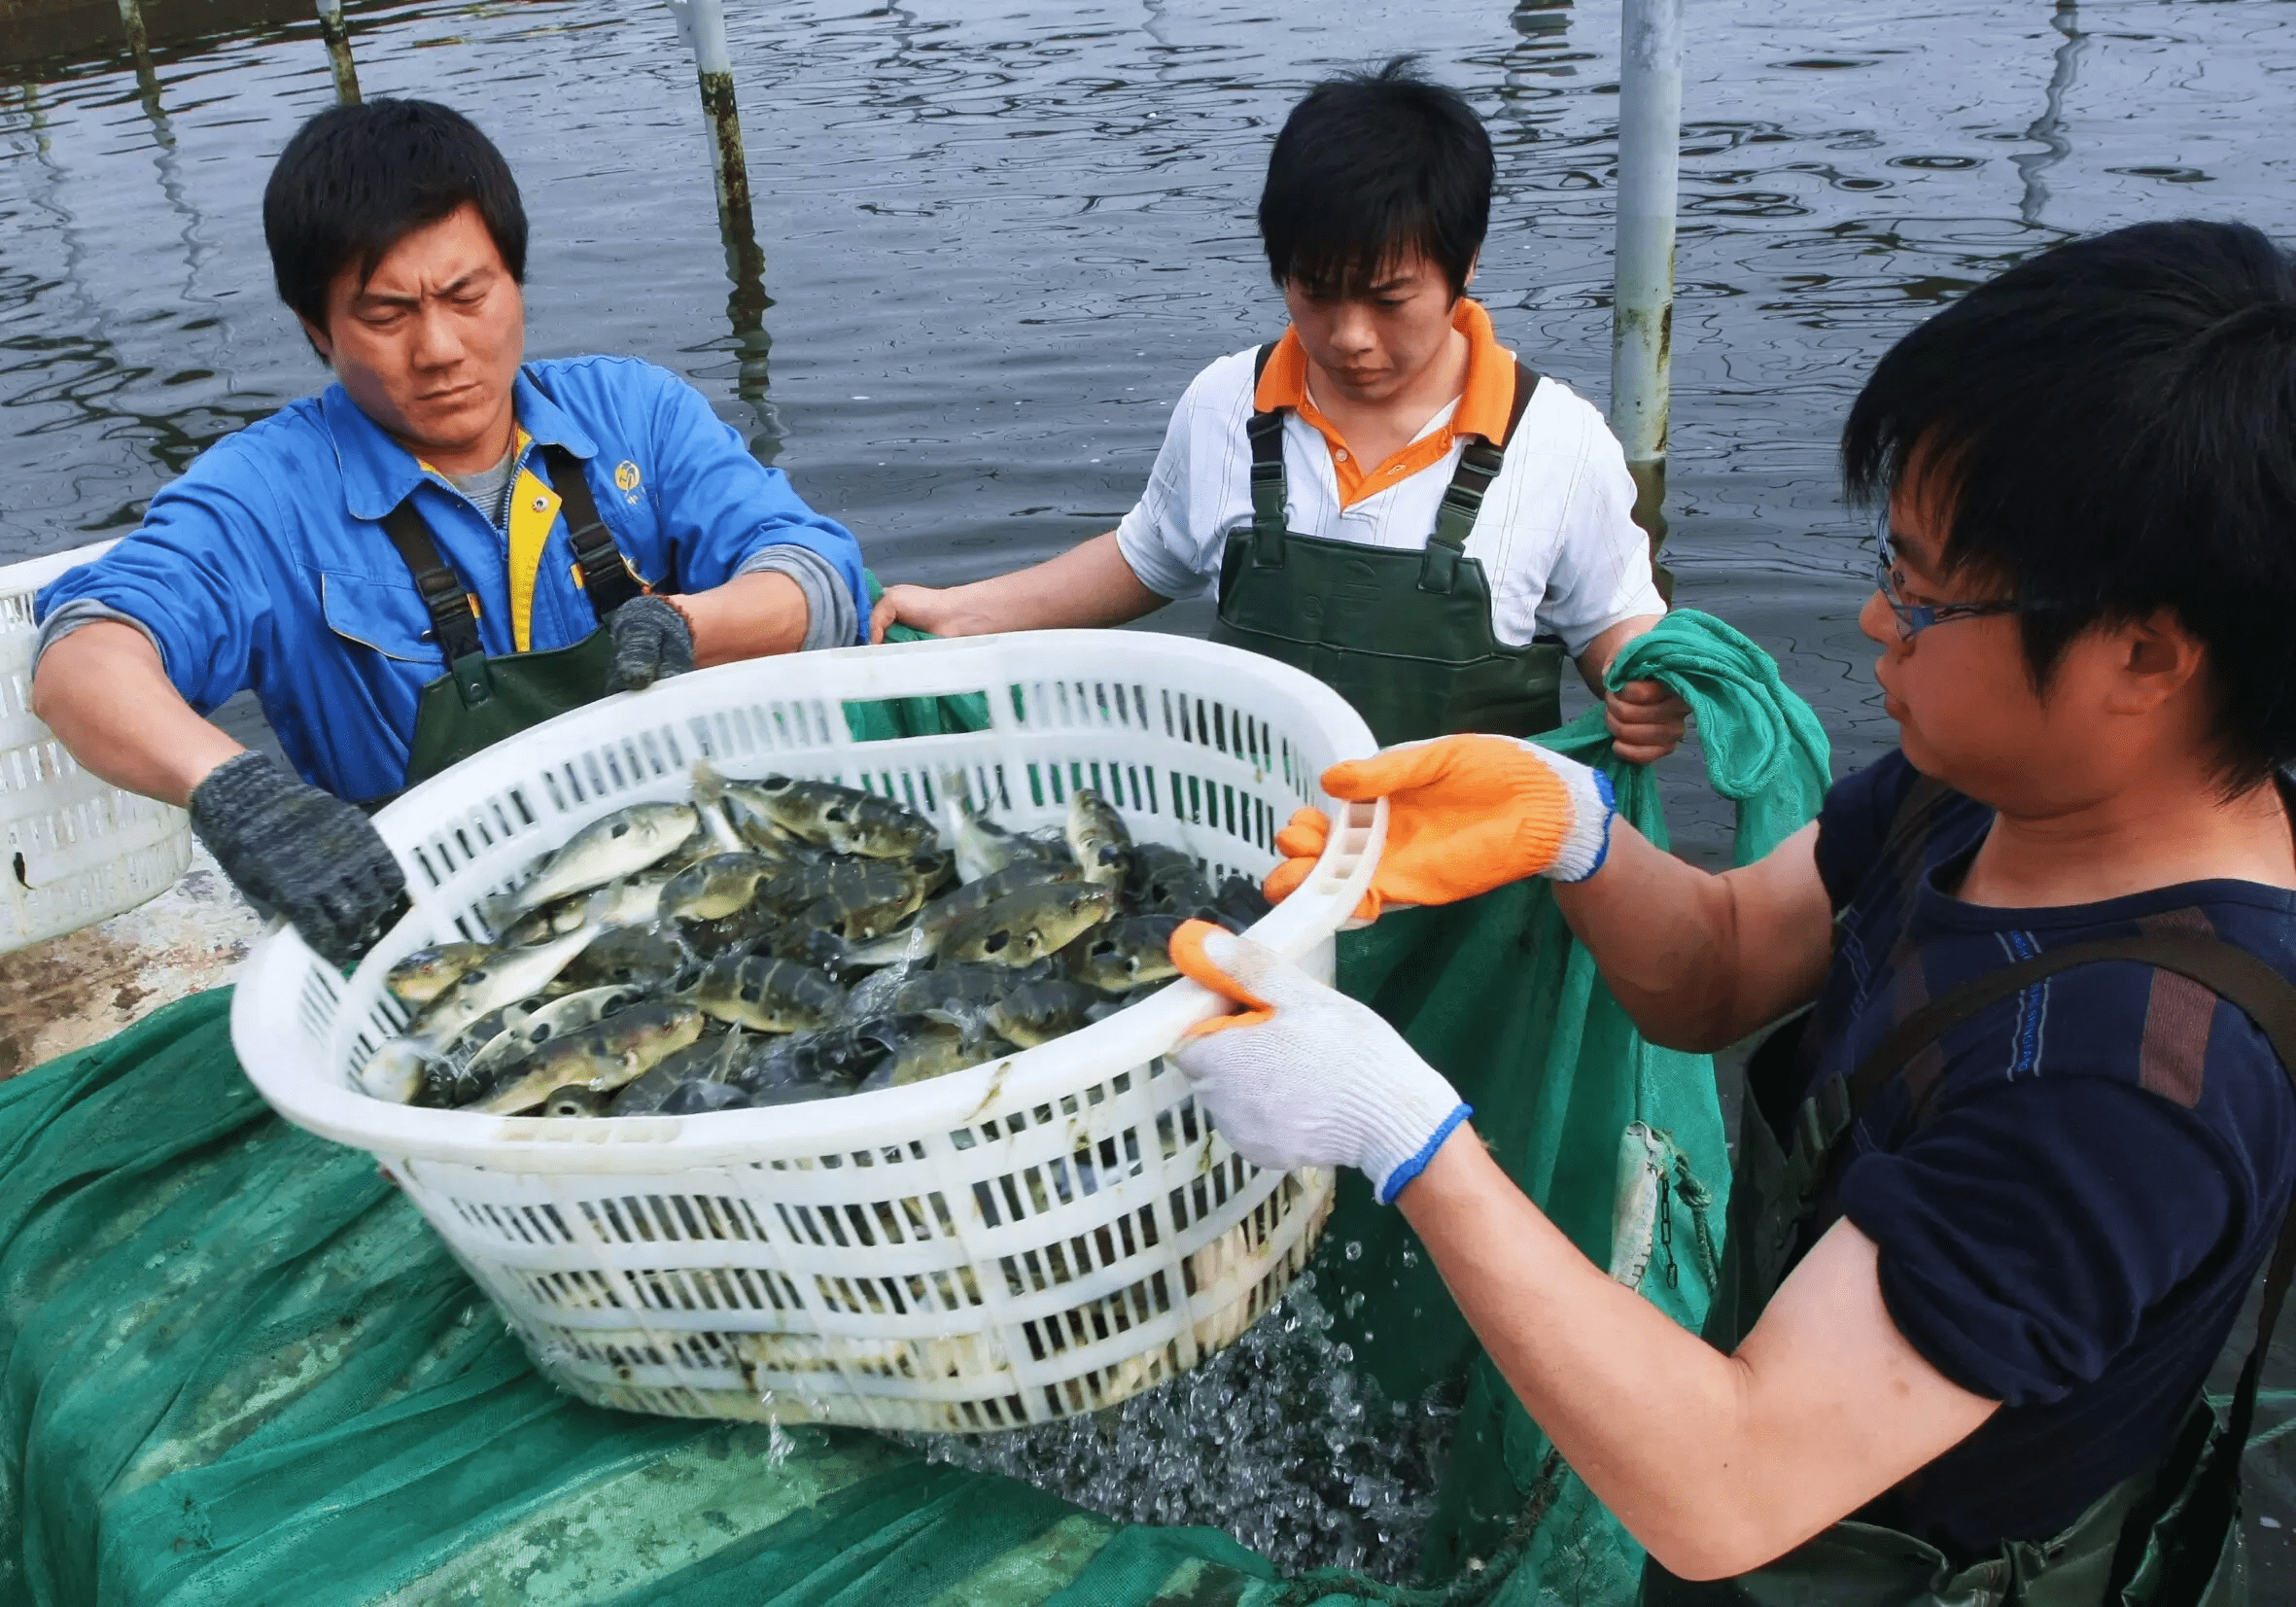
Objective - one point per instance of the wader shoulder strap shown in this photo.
(2231, 973)
(2225, 969)
(1265, 432)
(454, 617)
(607, 580)
(1455, 517)
(1480, 463)
(1779, 1070)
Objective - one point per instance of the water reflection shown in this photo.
(2047, 129)
(1003, 237)
(745, 307)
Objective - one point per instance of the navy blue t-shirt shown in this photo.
(2072, 1192)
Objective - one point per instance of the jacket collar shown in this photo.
(378, 474)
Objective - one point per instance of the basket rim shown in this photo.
(272, 979)
(30, 574)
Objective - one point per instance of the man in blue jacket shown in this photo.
(442, 547)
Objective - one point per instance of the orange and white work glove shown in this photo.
(1306, 1076)
(1465, 814)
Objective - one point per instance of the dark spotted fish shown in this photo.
(767, 996)
(1022, 928)
(1098, 837)
(1126, 954)
(845, 818)
(601, 1058)
(1038, 1012)
(423, 976)
(1163, 881)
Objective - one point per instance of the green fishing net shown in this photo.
(236, 1367)
(1496, 994)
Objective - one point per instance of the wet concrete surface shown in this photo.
(80, 989)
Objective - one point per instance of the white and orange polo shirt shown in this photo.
(1556, 537)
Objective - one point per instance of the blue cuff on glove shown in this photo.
(1395, 1181)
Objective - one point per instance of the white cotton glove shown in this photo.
(1308, 1077)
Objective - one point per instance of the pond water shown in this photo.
(1000, 237)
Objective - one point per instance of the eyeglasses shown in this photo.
(1913, 619)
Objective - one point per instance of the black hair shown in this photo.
(356, 179)
(1369, 168)
(2114, 425)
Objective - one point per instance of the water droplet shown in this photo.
(1354, 1250)
(1273, 1439)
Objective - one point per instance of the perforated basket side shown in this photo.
(74, 849)
(1041, 1234)
(1032, 1264)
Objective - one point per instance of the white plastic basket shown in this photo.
(74, 850)
(1043, 1235)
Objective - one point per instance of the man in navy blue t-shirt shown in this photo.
(2003, 1262)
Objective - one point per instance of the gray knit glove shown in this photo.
(301, 853)
(651, 639)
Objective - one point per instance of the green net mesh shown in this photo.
(235, 1366)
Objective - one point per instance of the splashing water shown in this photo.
(1274, 1439)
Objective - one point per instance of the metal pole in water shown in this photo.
(139, 46)
(1642, 306)
(131, 17)
(338, 52)
(703, 24)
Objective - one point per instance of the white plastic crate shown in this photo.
(1043, 1235)
(74, 850)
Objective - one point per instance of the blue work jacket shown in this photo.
(265, 564)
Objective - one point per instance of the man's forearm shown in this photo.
(1625, 1394)
(1594, 661)
(105, 695)
(1699, 961)
(1715, 1463)
(749, 616)
(1088, 586)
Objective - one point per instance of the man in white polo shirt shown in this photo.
(1385, 497)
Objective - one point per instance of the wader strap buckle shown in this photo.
(1265, 432)
(1480, 463)
(472, 678)
(607, 580)
(1818, 1125)
(454, 617)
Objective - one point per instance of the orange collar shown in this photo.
(1485, 405)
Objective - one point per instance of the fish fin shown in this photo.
(709, 783)
(719, 828)
(724, 1064)
(972, 1021)
(500, 912)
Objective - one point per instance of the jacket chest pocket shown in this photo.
(384, 617)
